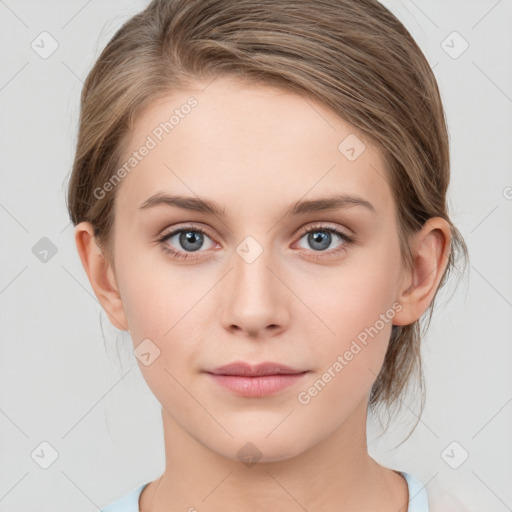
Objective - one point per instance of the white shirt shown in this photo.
(418, 501)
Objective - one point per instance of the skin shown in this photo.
(254, 150)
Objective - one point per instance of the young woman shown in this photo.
(259, 195)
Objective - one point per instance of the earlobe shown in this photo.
(100, 274)
(431, 248)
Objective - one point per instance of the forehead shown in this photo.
(245, 145)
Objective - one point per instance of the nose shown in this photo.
(256, 300)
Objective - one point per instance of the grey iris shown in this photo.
(316, 236)
(191, 237)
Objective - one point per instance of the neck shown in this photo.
(335, 474)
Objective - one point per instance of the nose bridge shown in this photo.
(254, 273)
(254, 295)
(253, 280)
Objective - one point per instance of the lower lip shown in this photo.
(264, 385)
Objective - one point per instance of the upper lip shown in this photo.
(249, 370)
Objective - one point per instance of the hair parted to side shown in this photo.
(353, 56)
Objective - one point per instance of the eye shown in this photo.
(189, 239)
(320, 238)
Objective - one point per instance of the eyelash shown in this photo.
(184, 256)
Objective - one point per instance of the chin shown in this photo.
(251, 447)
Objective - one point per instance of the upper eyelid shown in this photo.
(323, 226)
(185, 227)
(300, 232)
(313, 225)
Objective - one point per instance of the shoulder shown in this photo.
(418, 499)
(127, 503)
(452, 499)
(440, 499)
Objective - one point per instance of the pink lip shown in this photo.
(244, 369)
(256, 380)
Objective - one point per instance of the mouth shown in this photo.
(243, 369)
(256, 381)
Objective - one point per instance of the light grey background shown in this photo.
(59, 386)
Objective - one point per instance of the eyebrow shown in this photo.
(301, 207)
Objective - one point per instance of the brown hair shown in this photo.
(354, 56)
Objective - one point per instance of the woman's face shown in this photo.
(254, 287)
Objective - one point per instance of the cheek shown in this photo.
(352, 316)
(349, 298)
(160, 306)
(155, 293)
(351, 358)
(143, 306)
(165, 304)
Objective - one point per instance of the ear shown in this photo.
(101, 275)
(431, 248)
